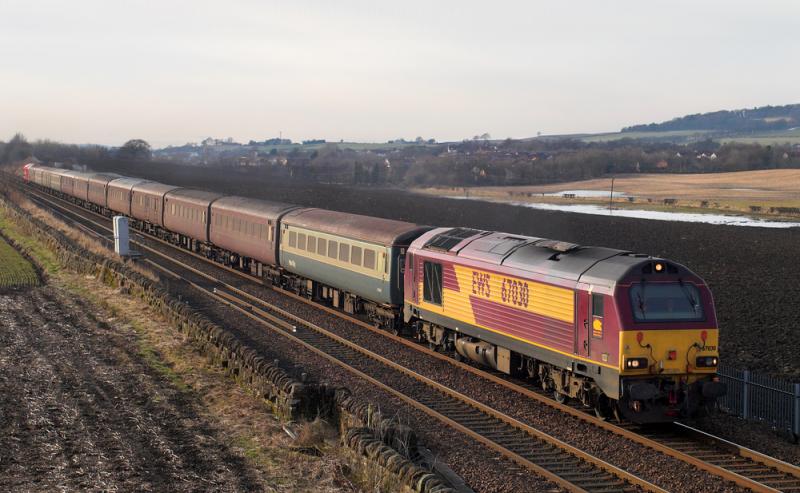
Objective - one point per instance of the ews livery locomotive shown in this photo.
(627, 334)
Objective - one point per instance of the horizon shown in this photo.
(94, 73)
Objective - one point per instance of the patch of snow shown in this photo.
(688, 217)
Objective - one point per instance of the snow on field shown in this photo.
(729, 220)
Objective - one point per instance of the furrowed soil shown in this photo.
(98, 394)
(753, 272)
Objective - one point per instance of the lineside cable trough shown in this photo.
(122, 239)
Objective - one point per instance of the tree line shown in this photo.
(468, 163)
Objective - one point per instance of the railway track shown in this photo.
(559, 462)
(731, 462)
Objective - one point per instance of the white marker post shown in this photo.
(121, 243)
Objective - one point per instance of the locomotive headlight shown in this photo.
(636, 363)
(659, 267)
(707, 361)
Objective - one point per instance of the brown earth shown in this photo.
(81, 411)
(91, 402)
(778, 185)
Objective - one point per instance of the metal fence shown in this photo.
(755, 397)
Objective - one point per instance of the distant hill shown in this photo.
(763, 119)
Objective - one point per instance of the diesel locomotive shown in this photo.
(627, 334)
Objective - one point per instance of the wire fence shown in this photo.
(761, 398)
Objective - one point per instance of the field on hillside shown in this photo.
(791, 136)
(729, 192)
(681, 135)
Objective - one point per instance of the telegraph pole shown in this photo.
(611, 197)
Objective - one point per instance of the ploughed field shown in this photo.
(753, 272)
(80, 410)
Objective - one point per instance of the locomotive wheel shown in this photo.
(559, 397)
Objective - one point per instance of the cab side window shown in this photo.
(597, 316)
(432, 283)
(597, 306)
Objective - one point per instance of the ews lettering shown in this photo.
(480, 284)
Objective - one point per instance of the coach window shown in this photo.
(333, 249)
(322, 247)
(355, 258)
(292, 239)
(271, 232)
(301, 241)
(432, 285)
(369, 259)
(312, 244)
(344, 253)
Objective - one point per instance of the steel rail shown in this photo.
(615, 480)
(785, 483)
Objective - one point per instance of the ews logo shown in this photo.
(481, 284)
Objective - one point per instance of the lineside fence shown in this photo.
(761, 398)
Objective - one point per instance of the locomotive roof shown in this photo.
(569, 261)
(250, 206)
(366, 228)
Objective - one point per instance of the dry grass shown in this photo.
(91, 243)
(735, 191)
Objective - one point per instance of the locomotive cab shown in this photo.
(668, 343)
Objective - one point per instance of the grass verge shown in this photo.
(245, 423)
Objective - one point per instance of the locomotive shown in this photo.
(629, 335)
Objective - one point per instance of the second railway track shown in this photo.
(731, 462)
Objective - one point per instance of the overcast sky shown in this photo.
(173, 72)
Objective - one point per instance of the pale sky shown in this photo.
(172, 72)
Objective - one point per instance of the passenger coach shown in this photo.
(355, 262)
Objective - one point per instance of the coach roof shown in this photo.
(371, 229)
(125, 182)
(153, 188)
(192, 196)
(244, 205)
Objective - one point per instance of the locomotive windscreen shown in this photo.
(666, 302)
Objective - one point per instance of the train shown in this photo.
(631, 336)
